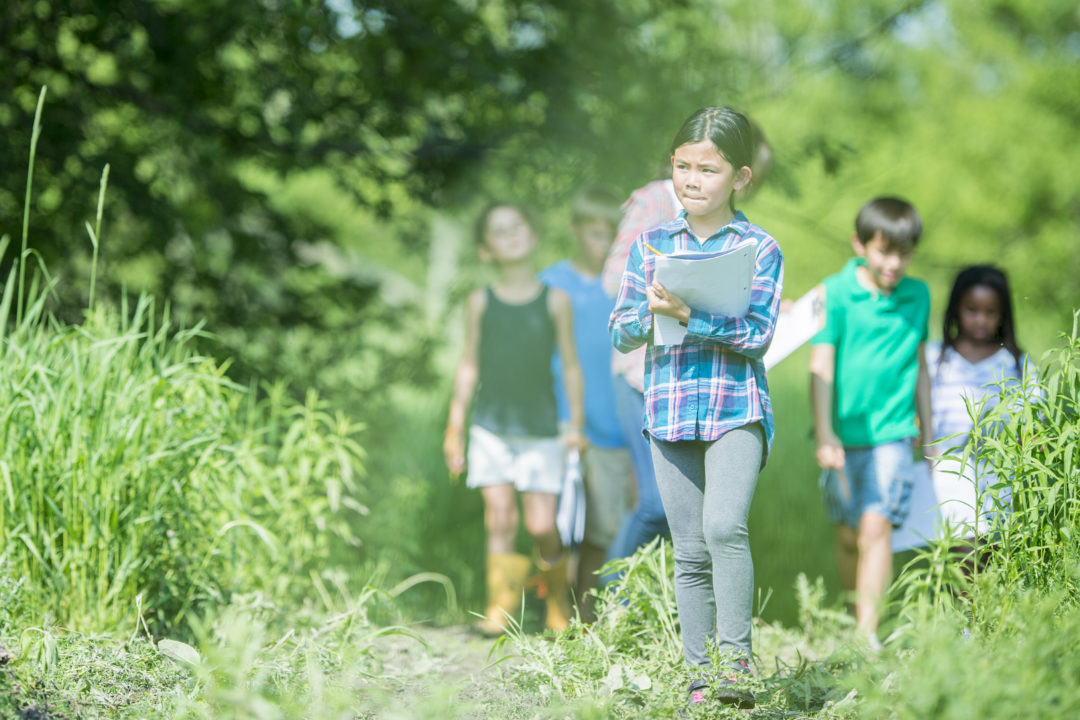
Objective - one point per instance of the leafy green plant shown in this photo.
(1024, 458)
(1025, 664)
(137, 481)
(1032, 442)
(628, 664)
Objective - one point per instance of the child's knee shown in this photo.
(540, 525)
(874, 528)
(651, 512)
(500, 518)
(721, 532)
(693, 556)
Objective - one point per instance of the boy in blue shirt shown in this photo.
(870, 396)
(606, 465)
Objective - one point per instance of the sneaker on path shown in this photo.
(695, 696)
(732, 687)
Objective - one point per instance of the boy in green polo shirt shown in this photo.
(868, 384)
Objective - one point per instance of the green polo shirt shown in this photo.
(877, 339)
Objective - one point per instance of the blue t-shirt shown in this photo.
(592, 308)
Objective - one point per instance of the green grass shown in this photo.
(249, 658)
(137, 479)
(137, 482)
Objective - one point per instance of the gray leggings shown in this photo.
(706, 488)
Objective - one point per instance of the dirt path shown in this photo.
(453, 673)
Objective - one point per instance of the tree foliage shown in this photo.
(215, 116)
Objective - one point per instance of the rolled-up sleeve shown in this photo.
(751, 334)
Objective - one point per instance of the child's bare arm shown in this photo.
(830, 451)
(573, 379)
(464, 386)
(922, 405)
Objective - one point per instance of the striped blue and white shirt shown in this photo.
(715, 380)
(955, 382)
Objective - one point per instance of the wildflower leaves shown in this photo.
(180, 652)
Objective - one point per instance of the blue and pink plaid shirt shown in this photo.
(715, 380)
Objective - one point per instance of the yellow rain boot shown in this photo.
(506, 575)
(559, 610)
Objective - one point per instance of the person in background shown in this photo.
(707, 407)
(607, 471)
(870, 397)
(977, 357)
(647, 207)
(504, 378)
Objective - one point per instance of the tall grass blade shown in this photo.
(5, 303)
(26, 204)
(95, 236)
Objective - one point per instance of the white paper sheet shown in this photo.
(796, 326)
(713, 282)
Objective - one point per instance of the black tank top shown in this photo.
(516, 392)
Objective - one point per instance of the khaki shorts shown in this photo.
(531, 464)
(609, 483)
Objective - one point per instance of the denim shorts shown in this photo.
(875, 479)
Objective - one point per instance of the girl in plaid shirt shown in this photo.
(707, 411)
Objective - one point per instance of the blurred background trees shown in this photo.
(243, 135)
(301, 174)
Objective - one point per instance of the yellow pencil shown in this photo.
(654, 249)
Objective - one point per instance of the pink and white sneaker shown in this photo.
(733, 686)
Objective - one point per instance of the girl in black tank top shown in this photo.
(516, 392)
(504, 382)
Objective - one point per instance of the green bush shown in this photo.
(136, 477)
(1027, 667)
(1032, 443)
(136, 480)
(1026, 449)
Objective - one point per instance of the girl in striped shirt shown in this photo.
(978, 355)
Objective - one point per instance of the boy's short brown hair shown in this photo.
(896, 219)
(597, 202)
